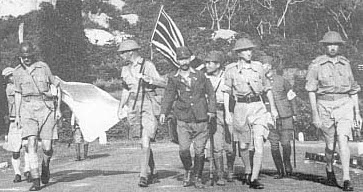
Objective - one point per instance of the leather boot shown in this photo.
(36, 185)
(187, 180)
(220, 171)
(286, 152)
(255, 184)
(45, 176)
(347, 186)
(198, 170)
(331, 180)
(28, 177)
(276, 156)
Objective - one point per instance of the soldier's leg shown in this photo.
(184, 135)
(85, 150)
(257, 158)
(15, 162)
(245, 157)
(286, 134)
(78, 151)
(231, 151)
(274, 138)
(47, 155)
(200, 139)
(33, 162)
(219, 145)
(26, 162)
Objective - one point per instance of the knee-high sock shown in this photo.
(245, 156)
(152, 162)
(344, 155)
(257, 158)
(145, 156)
(16, 165)
(26, 162)
(34, 167)
(329, 159)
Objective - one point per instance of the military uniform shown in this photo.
(247, 84)
(37, 108)
(146, 107)
(333, 97)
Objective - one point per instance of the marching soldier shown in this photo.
(284, 129)
(214, 61)
(14, 141)
(35, 113)
(334, 103)
(193, 107)
(246, 81)
(138, 99)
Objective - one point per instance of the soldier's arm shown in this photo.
(169, 97)
(288, 88)
(212, 100)
(153, 77)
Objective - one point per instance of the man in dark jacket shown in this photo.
(195, 105)
(284, 130)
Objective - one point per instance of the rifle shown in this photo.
(294, 147)
(141, 82)
(212, 126)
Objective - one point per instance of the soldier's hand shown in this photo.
(58, 114)
(229, 118)
(6, 138)
(358, 121)
(162, 118)
(211, 115)
(274, 113)
(6, 120)
(17, 122)
(317, 122)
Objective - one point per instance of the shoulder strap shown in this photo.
(219, 82)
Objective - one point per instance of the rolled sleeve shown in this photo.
(228, 83)
(312, 79)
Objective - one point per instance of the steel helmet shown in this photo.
(243, 43)
(26, 49)
(128, 45)
(7, 71)
(332, 37)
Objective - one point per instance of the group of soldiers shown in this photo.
(247, 102)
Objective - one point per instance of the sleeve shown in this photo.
(228, 82)
(169, 97)
(265, 83)
(355, 87)
(4, 103)
(212, 100)
(312, 78)
(51, 77)
(288, 87)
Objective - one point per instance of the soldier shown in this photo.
(138, 99)
(284, 130)
(246, 81)
(194, 106)
(334, 103)
(35, 111)
(214, 62)
(14, 141)
(78, 138)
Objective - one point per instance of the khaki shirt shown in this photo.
(218, 85)
(239, 75)
(129, 74)
(42, 76)
(328, 76)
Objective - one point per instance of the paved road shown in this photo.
(114, 168)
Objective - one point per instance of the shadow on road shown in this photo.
(96, 156)
(75, 175)
(299, 176)
(163, 174)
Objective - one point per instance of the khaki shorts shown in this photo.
(142, 121)
(337, 117)
(38, 120)
(247, 117)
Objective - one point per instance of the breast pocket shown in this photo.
(326, 79)
(42, 83)
(344, 78)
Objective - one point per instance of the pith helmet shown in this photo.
(26, 49)
(243, 43)
(7, 71)
(183, 53)
(332, 37)
(216, 56)
(128, 45)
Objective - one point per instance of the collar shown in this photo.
(190, 70)
(243, 65)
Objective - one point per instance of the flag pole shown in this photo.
(152, 36)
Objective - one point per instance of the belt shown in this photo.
(248, 99)
(28, 98)
(332, 96)
(220, 106)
